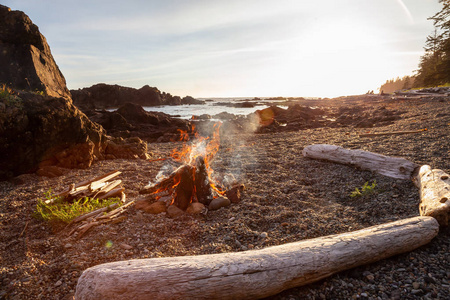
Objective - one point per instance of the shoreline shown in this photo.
(288, 197)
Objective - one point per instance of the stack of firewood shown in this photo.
(102, 187)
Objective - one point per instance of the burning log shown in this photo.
(257, 273)
(185, 188)
(394, 167)
(187, 184)
(434, 186)
(202, 183)
(163, 185)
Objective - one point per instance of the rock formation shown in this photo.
(25, 58)
(131, 120)
(40, 128)
(38, 131)
(112, 96)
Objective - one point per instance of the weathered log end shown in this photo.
(394, 167)
(434, 188)
(253, 274)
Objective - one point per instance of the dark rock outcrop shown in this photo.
(38, 131)
(131, 120)
(39, 127)
(102, 95)
(294, 117)
(366, 116)
(25, 57)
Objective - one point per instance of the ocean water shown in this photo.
(211, 107)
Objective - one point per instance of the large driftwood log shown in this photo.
(434, 186)
(256, 273)
(394, 167)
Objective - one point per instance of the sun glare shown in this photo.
(328, 62)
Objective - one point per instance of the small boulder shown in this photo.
(234, 194)
(173, 211)
(151, 208)
(51, 171)
(195, 208)
(218, 203)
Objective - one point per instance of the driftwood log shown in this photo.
(394, 167)
(434, 186)
(256, 273)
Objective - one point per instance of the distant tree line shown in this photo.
(434, 66)
(403, 83)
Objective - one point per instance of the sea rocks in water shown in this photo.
(112, 96)
(202, 117)
(131, 120)
(225, 116)
(219, 203)
(190, 100)
(25, 57)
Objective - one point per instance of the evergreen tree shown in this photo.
(434, 67)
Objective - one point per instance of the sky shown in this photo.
(235, 48)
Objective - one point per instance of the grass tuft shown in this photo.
(366, 189)
(61, 210)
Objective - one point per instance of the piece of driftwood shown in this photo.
(107, 187)
(165, 183)
(392, 133)
(85, 184)
(256, 273)
(394, 167)
(99, 216)
(117, 211)
(112, 193)
(434, 186)
(94, 213)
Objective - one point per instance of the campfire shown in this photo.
(188, 179)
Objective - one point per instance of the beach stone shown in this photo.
(173, 211)
(195, 208)
(263, 235)
(151, 208)
(234, 194)
(219, 203)
(125, 246)
(416, 285)
(51, 171)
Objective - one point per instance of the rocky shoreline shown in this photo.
(48, 144)
(287, 198)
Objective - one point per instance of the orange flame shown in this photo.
(207, 147)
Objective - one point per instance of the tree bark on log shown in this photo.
(434, 186)
(256, 273)
(394, 167)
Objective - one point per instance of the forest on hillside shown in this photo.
(434, 65)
